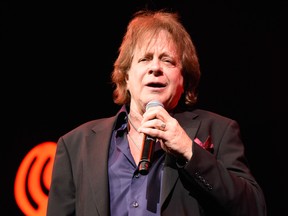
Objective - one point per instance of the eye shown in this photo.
(169, 61)
(142, 59)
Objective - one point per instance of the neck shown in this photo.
(131, 122)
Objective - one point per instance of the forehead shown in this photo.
(161, 40)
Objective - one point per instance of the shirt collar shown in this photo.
(122, 117)
(121, 123)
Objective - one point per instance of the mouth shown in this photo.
(156, 85)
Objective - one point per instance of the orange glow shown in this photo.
(33, 178)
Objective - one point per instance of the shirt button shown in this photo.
(137, 175)
(135, 204)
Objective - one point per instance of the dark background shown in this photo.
(57, 58)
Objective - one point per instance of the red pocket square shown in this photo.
(206, 145)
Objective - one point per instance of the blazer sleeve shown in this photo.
(61, 199)
(222, 179)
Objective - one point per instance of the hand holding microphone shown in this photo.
(148, 145)
(174, 141)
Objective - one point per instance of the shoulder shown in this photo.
(202, 114)
(205, 114)
(91, 127)
(205, 117)
(99, 127)
(216, 122)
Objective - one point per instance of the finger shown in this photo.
(162, 126)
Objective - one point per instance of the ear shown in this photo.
(127, 81)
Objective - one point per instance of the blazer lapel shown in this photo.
(170, 173)
(97, 162)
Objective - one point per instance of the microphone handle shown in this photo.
(147, 153)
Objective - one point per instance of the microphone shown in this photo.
(148, 145)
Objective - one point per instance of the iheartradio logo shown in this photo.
(33, 179)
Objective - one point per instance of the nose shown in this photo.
(155, 68)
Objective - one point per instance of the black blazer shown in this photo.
(216, 181)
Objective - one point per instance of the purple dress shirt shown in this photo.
(131, 193)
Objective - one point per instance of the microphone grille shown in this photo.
(153, 104)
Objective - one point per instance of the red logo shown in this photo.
(33, 179)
